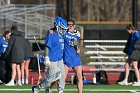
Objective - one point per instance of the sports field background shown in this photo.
(111, 88)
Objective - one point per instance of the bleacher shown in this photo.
(101, 55)
(105, 52)
(106, 55)
(33, 19)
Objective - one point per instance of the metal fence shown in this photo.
(34, 20)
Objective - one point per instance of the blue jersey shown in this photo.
(3, 45)
(55, 44)
(134, 38)
(71, 57)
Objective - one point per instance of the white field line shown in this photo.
(76, 90)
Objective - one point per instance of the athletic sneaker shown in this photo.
(11, 83)
(1, 81)
(136, 84)
(48, 90)
(26, 82)
(124, 82)
(22, 81)
(19, 83)
(60, 92)
(34, 89)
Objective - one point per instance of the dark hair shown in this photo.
(72, 20)
(14, 28)
(6, 32)
(130, 27)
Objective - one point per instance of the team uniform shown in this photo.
(71, 57)
(55, 44)
(135, 56)
(131, 52)
(54, 61)
(3, 47)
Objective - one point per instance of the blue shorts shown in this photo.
(72, 61)
(27, 58)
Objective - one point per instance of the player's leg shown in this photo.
(54, 68)
(135, 65)
(61, 81)
(11, 83)
(126, 67)
(8, 74)
(19, 74)
(52, 73)
(66, 70)
(2, 70)
(46, 83)
(22, 72)
(42, 84)
(78, 71)
(126, 74)
(135, 58)
(27, 70)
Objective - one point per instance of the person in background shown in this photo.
(71, 53)
(5, 68)
(15, 53)
(133, 55)
(25, 65)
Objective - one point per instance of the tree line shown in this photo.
(90, 10)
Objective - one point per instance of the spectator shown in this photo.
(133, 55)
(5, 68)
(25, 64)
(15, 53)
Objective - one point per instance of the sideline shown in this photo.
(132, 90)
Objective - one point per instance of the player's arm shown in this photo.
(9, 48)
(77, 45)
(49, 40)
(78, 50)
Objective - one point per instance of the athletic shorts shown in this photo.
(27, 58)
(71, 61)
(135, 56)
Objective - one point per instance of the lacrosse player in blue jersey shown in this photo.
(71, 53)
(5, 68)
(55, 44)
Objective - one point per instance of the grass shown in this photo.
(113, 88)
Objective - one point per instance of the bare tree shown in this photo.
(91, 10)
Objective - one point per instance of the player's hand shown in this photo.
(75, 43)
(47, 61)
(126, 57)
(78, 50)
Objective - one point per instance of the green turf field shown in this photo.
(113, 88)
